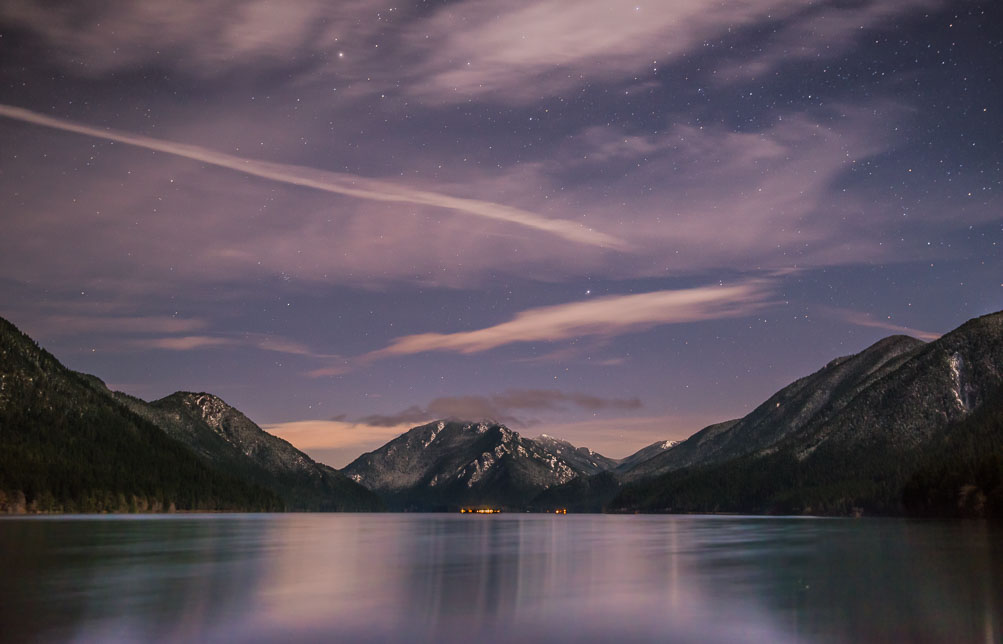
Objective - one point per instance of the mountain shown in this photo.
(581, 459)
(230, 441)
(580, 494)
(644, 454)
(67, 446)
(70, 444)
(593, 490)
(842, 440)
(961, 471)
(790, 410)
(446, 465)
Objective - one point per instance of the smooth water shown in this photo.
(403, 577)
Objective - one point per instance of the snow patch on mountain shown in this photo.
(480, 466)
(435, 432)
(958, 387)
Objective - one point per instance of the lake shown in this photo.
(496, 578)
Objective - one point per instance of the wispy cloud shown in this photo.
(260, 341)
(602, 317)
(687, 200)
(818, 32)
(545, 47)
(461, 51)
(200, 38)
(505, 407)
(281, 345)
(865, 319)
(332, 182)
(183, 343)
(536, 48)
(330, 370)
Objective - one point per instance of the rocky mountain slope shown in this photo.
(67, 446)
(642, 455)
(582, 459)
(446, 465)
(225, 437)
(592, 491)
(580, 494)
(843, 439)
(810, 399)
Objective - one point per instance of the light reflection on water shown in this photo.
(401, 577)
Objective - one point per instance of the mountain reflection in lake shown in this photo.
(325, 578)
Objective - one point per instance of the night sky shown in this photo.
(613, 222)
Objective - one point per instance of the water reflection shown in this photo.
(123, 579)
(498, 578)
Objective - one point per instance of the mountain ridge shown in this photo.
(849, 438)
(225, 436)
(449, 464)
(788, 410)
(71, 444)
(845, 448)
(70, 447)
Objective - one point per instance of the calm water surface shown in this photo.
(398, 577)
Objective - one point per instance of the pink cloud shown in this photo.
(602, 317)
(259, 341)
(183, 343)
(333, 370)
(506, 407)
(544, 47)
(688, 200)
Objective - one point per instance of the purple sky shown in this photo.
(611, 222)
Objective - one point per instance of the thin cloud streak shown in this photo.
(863, 319)
(183, 343)
(258, 341)
(332, 182)
(602, 317)
(325, 372)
